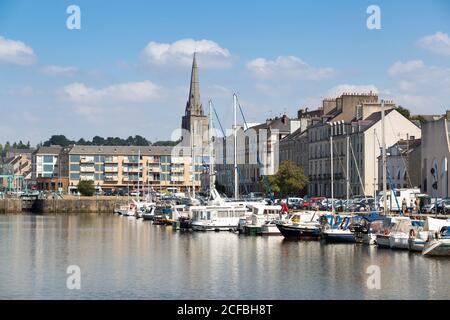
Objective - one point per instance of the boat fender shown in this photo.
(386, 232)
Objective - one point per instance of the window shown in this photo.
(48, 159)
(99, 176)
(74, 176)
(74, 167)
(74, 158)
(99, 159)
(165, 159)
(99, 167)
(48, 167)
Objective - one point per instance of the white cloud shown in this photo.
(55, 70)
(420, 87)
(400, 68)
(350, 88)
(16, 52)
(438, 43)
(289, 67)
(180, 53)
(134, 92)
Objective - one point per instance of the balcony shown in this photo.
(86, 160)
(154, 169)
(111, 160)
(87, 169)
(111, 178)
(111, 169)
(131, 169)
(132, 179)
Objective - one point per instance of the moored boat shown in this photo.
(439, 246)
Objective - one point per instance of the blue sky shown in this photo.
(126, 71)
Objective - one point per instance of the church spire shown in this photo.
(194, 105)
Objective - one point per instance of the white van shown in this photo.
(394, 200)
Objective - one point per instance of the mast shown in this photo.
(331, 167)
(383, 151)
(348, 166)
(236, 185)
(193, 159)
(211, 152)
(139, 173)
(375, 168)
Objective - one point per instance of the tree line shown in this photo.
(63, 141)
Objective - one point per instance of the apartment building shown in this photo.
(435, 155)
(257, 154)
(123, 167)
(352, 123)
(46, 169)
(403, 164)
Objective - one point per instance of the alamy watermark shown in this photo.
(73, 22)
(374, 20)
(73, 281)
(374, 279)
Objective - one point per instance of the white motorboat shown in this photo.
(399, 235)
(439, 247)
(121, 209)
(270, 229)
(217, 218)
(418, 239)
(261, 214)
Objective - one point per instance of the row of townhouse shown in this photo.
(352, 125)
(116, 167)
(15, 170)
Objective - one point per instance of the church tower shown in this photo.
(194, 120)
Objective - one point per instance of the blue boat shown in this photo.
(340, 234)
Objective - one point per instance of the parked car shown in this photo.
(444, 206)
(294, 202)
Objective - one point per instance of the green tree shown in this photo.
(404, 112)
(86, 188)
(290, 179)
(59, 140)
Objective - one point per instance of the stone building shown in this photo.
(403, 163)
(435, 154)
(195, 124)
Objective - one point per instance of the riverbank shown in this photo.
(10, 206)
(61, 206)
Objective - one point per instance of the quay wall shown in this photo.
(70, 206)
(10, 206)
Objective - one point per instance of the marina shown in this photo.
(127, 258)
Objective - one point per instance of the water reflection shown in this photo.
(125, 258)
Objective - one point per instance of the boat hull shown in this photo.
(270, 230)
(383, 241)
(416, 245)
(204, 227)
(399, 242)
(439, 248)
(296, 232)
(336, 237)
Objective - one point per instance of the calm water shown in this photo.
(121, 258)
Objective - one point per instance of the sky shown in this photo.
(126, 70)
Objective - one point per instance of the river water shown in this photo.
(125, 258)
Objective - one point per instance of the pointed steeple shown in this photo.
(194, 105)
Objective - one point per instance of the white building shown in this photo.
(435, 154)
(45, 162)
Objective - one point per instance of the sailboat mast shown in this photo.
(348, 167)
(236, 186)
(193, 160)
(383, 151)
(211, 151)
(139, 173)
(331, 167)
